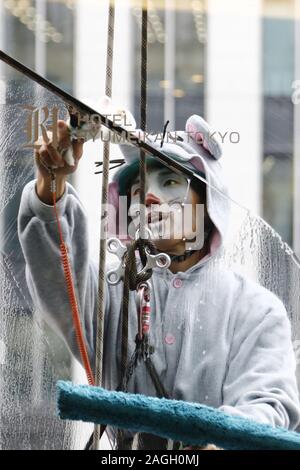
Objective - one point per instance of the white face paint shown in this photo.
(166, 194)
(166, 185)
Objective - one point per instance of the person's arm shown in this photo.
(38, 234)
(43, 185)
(40, 242)
(260, 382)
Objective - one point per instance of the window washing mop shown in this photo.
(190, 423)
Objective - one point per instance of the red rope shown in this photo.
(72, 297)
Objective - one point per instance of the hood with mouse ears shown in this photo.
(195, 148)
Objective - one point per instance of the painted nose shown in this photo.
(151, 199)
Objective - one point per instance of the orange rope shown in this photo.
(72, 296)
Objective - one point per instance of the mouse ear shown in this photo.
(199, 130)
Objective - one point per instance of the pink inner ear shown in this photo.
(197, 136)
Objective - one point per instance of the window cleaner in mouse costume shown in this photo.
(213, 336)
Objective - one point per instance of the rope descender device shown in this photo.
(116, 247)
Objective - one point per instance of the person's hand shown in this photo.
(46, 156)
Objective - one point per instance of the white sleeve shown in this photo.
(38, 234)
(260, 382)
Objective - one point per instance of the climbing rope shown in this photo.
(132, 279)
(143, 115)
(142, 173)
(142, 215)
(103, 234)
